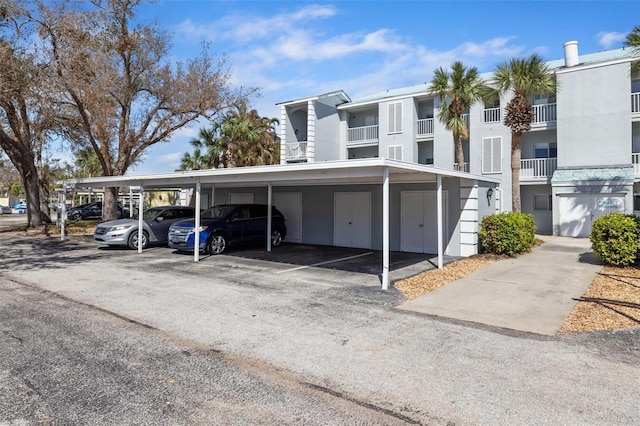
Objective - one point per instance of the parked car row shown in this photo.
(221, 227)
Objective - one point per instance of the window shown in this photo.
(542, 202)
(394, 152)
(395, 117)
(546, 150)
(492, 155)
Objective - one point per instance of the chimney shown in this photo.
(571, 54)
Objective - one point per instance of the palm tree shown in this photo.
(247, 139)
(462, 87)
(525, 78)
(633, 41)
(240, 138)
(198, 160)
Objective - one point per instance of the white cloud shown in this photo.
(609, 39)
(170, 158)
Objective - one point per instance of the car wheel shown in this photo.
(76, 216)
(276, 238)
(133, 240)
(217, 244)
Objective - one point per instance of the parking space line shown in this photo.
(324, 263)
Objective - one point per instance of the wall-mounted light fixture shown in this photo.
(489, 195)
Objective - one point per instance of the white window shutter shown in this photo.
(395, 117)
(394, 152)
(492, 155)
(486, 155)
(497, 155)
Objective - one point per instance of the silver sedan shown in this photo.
(156, 222)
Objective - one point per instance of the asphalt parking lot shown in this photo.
(335, 329)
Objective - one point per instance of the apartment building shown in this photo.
(580, 160)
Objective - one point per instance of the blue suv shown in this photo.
(226, 225)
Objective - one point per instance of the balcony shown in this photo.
(425, 127)
(362, 136)
(635, 104)
(466, 167)
(296, 151)
(538, 168)
(545, 113)
(492, 115)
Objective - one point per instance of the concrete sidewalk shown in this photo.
(534, 292)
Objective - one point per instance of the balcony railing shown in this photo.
(538, 168)
(465, 117)
(635, 159)
(425, 126)
(492, 115)
(296, 150)
(635, 102)
(466, 167)
(363, 134)
(544, 113)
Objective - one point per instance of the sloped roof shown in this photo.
(556, 64)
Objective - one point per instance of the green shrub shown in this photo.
(614, 239)
(508, 233)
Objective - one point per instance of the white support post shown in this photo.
(440, 226)
(213, 196)
(63, 212)
(269, 218)
(196, 230)
(140, 223)
(385, 229)
(130, 202)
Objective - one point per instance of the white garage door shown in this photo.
(578, 211)
(290, 204)
(419, 221)
(352, 219)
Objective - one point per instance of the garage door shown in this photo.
(352, 219)
(419, 221)
(578, 211)
(290, 204)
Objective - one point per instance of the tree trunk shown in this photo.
(516, 139)
(110, 204)
(32, 192)
(22, 158)
(459, 152)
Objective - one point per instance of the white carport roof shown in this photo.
(358, 171)
(379, 171)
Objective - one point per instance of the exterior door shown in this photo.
(352, 219)
(419, 221)
(578, 211)
(290, 205)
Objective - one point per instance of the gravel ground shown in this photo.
(611, 302)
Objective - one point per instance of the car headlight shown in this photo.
(119, 228)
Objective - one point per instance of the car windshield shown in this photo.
(150, 214)
(217, 212)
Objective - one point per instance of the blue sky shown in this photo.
(295, 49)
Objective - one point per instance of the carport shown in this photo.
(466, 206)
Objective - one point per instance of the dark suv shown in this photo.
(93, 211)
(228, 224)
